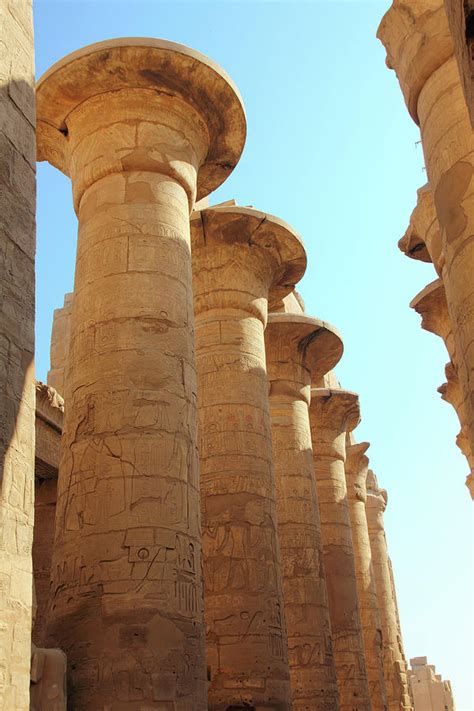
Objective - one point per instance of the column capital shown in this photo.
(470, 484)
(356, 467)
(299, 348)
(416, 35)
(150, 82)
(432, 306)
(376, 502)
(250, 254)
(422, 239)
(333, 409)
(450, 391)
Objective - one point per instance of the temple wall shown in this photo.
(17, 311)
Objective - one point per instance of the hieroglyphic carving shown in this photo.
(17, 345)
(332, 414)
(126, 596)
(395, 672)
(233, 275)
(356, 468)
(292, 362)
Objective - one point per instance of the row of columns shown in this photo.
(422, 241)
(419, 48)
(246, 584)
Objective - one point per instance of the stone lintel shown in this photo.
(338, 409)
(417, 39)
(162, 68)
(233, 225)
(432, 306)
(48, 429)
(308, 341)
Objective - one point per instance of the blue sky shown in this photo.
(330, 149)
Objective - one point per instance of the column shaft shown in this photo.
(127, 597)
(142, 127)
(311, 657)
(356, 473)
(331, 412)
(246, 636)
(393, 658)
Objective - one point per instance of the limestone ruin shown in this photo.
(428, 689)
(207, 531)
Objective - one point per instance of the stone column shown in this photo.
(357, 464)
(332, 414)
(300, 348)
(395, 672)
(60, 337)
(419, 47)
(17, 344)
(422, 241)
(239, 255)
(460, 16)
(141, 126)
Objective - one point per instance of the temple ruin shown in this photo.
(428, 689)
(208, 532)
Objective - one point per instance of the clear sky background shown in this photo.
(332, 150)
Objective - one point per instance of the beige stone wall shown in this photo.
(17, 394)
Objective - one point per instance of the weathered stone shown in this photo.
(241, 258)
(60, 339)
(430, 692)
(48, 429)
(422, 239)
(419, 47)
(332, 414)
(142, 127)
(395, 672)
(299, 349)
(461, 24)
(356, 468)
(17, 308)
(48, 690)
(48, 680)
